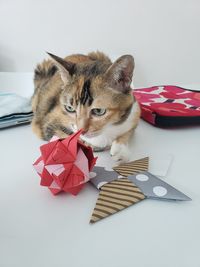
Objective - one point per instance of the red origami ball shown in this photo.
(64, 164)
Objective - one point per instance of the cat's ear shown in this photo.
(66, 68)
(119, 74)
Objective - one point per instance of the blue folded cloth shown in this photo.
(14, 110)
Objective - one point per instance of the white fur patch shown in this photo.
(120, 152)
(111, 132)
(74, 128)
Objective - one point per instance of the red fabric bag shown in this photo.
(168, 105)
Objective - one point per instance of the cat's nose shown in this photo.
(83, 125)
(84, 131)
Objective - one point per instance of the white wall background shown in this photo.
(163, 35)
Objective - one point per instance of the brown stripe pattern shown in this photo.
(115, 196)
(133, 167)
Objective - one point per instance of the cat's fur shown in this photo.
(84, 83)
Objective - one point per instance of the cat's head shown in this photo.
(95, 93)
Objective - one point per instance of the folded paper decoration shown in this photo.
(115, 196)
(118, 192)
(64, 164)
(133, 167)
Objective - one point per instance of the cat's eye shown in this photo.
(98, 111)
(70, 109)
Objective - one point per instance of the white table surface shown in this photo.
(39, 229)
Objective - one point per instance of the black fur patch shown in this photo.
(69, 66)
(52, 71)
(86, 97)
(71, 101)
(65, 129)
(50, 130)
(52, 102)
(42, 73)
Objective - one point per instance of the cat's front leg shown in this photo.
(120, 148)
(94, 148)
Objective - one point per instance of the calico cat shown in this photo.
(87, 92)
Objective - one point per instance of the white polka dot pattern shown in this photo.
(142, 177)
(92, 175)
(160, 191)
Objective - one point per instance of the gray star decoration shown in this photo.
(116, 190)
(150, 185)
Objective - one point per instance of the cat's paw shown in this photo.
(94, 148)
(119, 152)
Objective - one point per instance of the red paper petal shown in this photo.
(62, 178)
(46, 178)
(59, 156)
(47, 149)
(75, 190)
(89, 154)
(55, 191)
(75, 178)
(37, 161)
(71, 143)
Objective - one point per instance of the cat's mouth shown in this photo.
(91, 134)
(86, 134)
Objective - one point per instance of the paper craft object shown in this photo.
(118, 192)
(133, 167)
(64, 164)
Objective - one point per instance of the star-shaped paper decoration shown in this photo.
(118, 193)
(64, 164)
